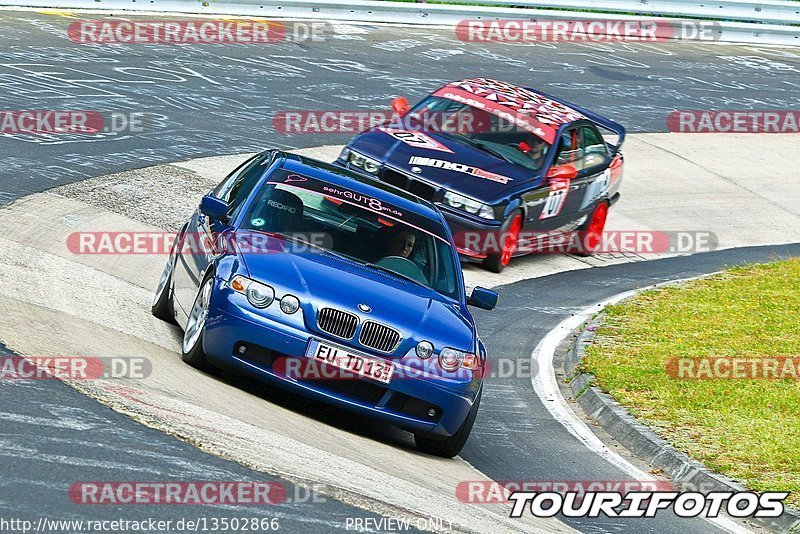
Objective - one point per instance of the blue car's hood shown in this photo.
(384, 147)
(321, 280)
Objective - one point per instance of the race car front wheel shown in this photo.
(162, 306)
(449, 447)
(509, 234)
(591, 234)
(193, 352)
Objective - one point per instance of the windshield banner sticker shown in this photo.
(459, 167)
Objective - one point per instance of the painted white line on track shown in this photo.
(546, 387)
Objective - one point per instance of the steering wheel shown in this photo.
(403, 266)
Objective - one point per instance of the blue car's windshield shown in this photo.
(481, 129)
(354, 226)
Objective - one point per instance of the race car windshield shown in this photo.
(482, 130)
(325, 222)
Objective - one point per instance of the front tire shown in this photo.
(193, 352)
(162, 305)
(497, 261)
(450, 447)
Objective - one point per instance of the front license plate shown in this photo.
(356, 364)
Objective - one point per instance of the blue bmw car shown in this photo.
(334, 286)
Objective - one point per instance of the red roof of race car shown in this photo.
(532, 111)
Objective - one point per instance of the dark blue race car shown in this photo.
(341, 288)
(513, 170)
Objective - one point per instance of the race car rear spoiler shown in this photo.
(601, 121)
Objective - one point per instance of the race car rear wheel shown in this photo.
(449, 447)
(193, 352)
(497, 261)
(591, 234)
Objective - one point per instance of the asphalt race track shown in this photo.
(219, 99)
(213, 100)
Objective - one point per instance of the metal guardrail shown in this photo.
(387, 11)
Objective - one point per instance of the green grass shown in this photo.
(748, 429)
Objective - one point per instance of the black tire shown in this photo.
(162, 305)
(193, 353)
(450, 447)
(494, 261)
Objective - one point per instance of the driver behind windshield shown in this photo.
(400, 244)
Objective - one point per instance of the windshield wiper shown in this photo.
(390, 271)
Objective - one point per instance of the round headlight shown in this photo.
(471, 206)
(357, 159)
(260, 295)
(449, 359)
(424, 350)
(454, 199)
(371, 166)
(290, 304)
(486, 212)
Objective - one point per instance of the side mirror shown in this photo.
(214, 207)
(483, 298)
(400, 106)
(562, 172)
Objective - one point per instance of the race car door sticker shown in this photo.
(559, 189)
(596, 188)
(459, 167)
(415, 139)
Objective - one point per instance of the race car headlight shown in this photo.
(258, 294)
(363, 162)
(469, 205)
(452, 359)
(290, 304)
(486, 212)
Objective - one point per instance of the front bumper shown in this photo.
(404, 402)
(474, 236)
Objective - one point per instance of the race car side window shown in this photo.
(569, 149)
(239, 184)
(595, 151)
